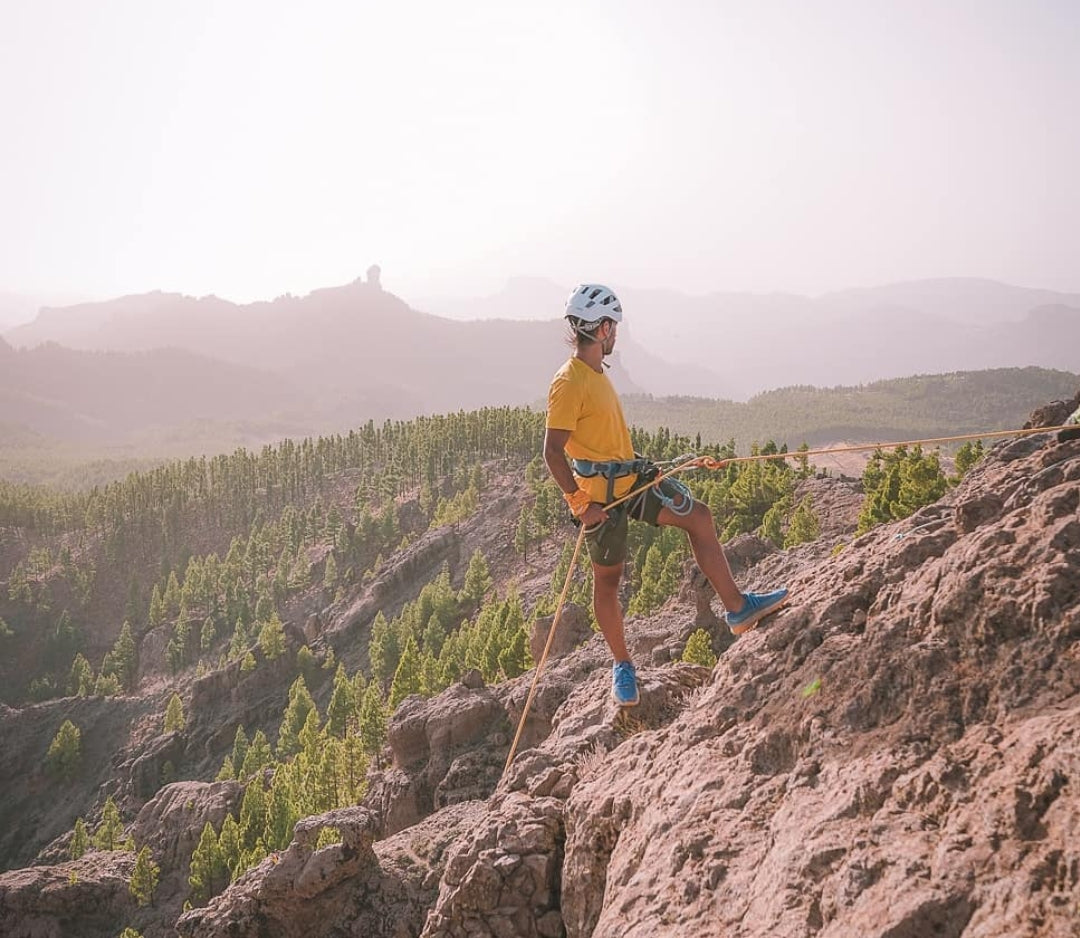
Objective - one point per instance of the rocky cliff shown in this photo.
(896, 754)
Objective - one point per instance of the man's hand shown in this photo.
(594, 515)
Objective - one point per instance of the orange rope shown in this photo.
(547, 649)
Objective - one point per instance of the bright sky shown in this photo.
(252, 148)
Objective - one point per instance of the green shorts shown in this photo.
(607, 541)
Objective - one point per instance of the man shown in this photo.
(585, 422)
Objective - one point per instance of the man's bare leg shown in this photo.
(708, 553)
(608, 612)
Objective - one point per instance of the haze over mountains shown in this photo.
(747, 343)
(341, 355)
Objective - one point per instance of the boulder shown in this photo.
(88, 897)
(147, 771)
(173, 820)
(573, 630)
(381, 889)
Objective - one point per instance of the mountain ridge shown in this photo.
(738, 343)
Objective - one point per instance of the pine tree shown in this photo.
(123, 657)
(515, 659)
(478, 581)
(144, 878)
(208, 873)
(649, 596)
(383, 649)
(373, 723)
(272, 638)
(523, 535)
(544, 510)
(239, 747)
(81, 677)
(353, 769)
(407, 676)
(342, 706)
(434, 634)
(305, 662)
(227, 772)
(65, 752)
(106, 685)
(804, 525)
(699, 650)
(257, 757)
(157, 608)
(252, 814)
(80, 840)
(229, 844)
(899, 483)
(177, 649)
(282, 811)
(111, 829)
(966, 457)
(296, 713)
(208, 634)
(172, 595)
(174, 714)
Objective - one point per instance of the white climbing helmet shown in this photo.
(591, 302)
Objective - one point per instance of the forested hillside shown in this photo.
(255, 620)
(904, 408)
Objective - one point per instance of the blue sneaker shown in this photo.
(756, 608)
(624, 684)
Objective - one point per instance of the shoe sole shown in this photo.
(755, 619)
(632, 703)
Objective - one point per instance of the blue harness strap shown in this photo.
(612, 469)
(618, 468)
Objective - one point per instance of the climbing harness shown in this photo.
(689, 462)
(645, 470)
(611, 470)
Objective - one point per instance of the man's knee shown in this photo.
(607, 579)
(700, 519)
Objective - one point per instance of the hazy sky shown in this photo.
(248, 149)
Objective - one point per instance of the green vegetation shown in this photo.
(65, 752)
(265, 512)
(174, 714)
(111, 829)
(903, 408)
(218, 553)
(80, 840)
(898, 483)
(144, 878)
(699, 650)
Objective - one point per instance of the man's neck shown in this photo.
(592, 354)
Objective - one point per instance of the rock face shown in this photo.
(170, 824)
(896, 754)
(573, 630)
(28, 822)
(356, 887)
(87, 897)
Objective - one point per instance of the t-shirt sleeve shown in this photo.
(564, 404)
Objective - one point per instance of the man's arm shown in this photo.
(555, 458)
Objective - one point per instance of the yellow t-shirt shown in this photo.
(584, 402)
